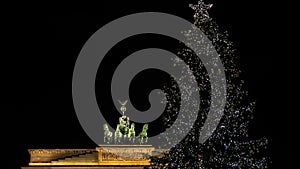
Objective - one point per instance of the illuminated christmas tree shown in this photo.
(229, 146)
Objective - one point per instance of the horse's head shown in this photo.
(145, 127)
(118, 128)
(132, 126)
(105, 127)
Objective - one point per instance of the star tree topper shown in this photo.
(201, 11)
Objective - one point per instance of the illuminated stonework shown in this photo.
(104, 156)
(124, 154)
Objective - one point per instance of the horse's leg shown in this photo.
(124, 138)
(108, 138)
(142, 139)
(133, 138)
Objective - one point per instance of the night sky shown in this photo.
(43, 46)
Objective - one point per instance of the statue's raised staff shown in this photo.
(123, 106)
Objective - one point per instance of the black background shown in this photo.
(42, 46)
